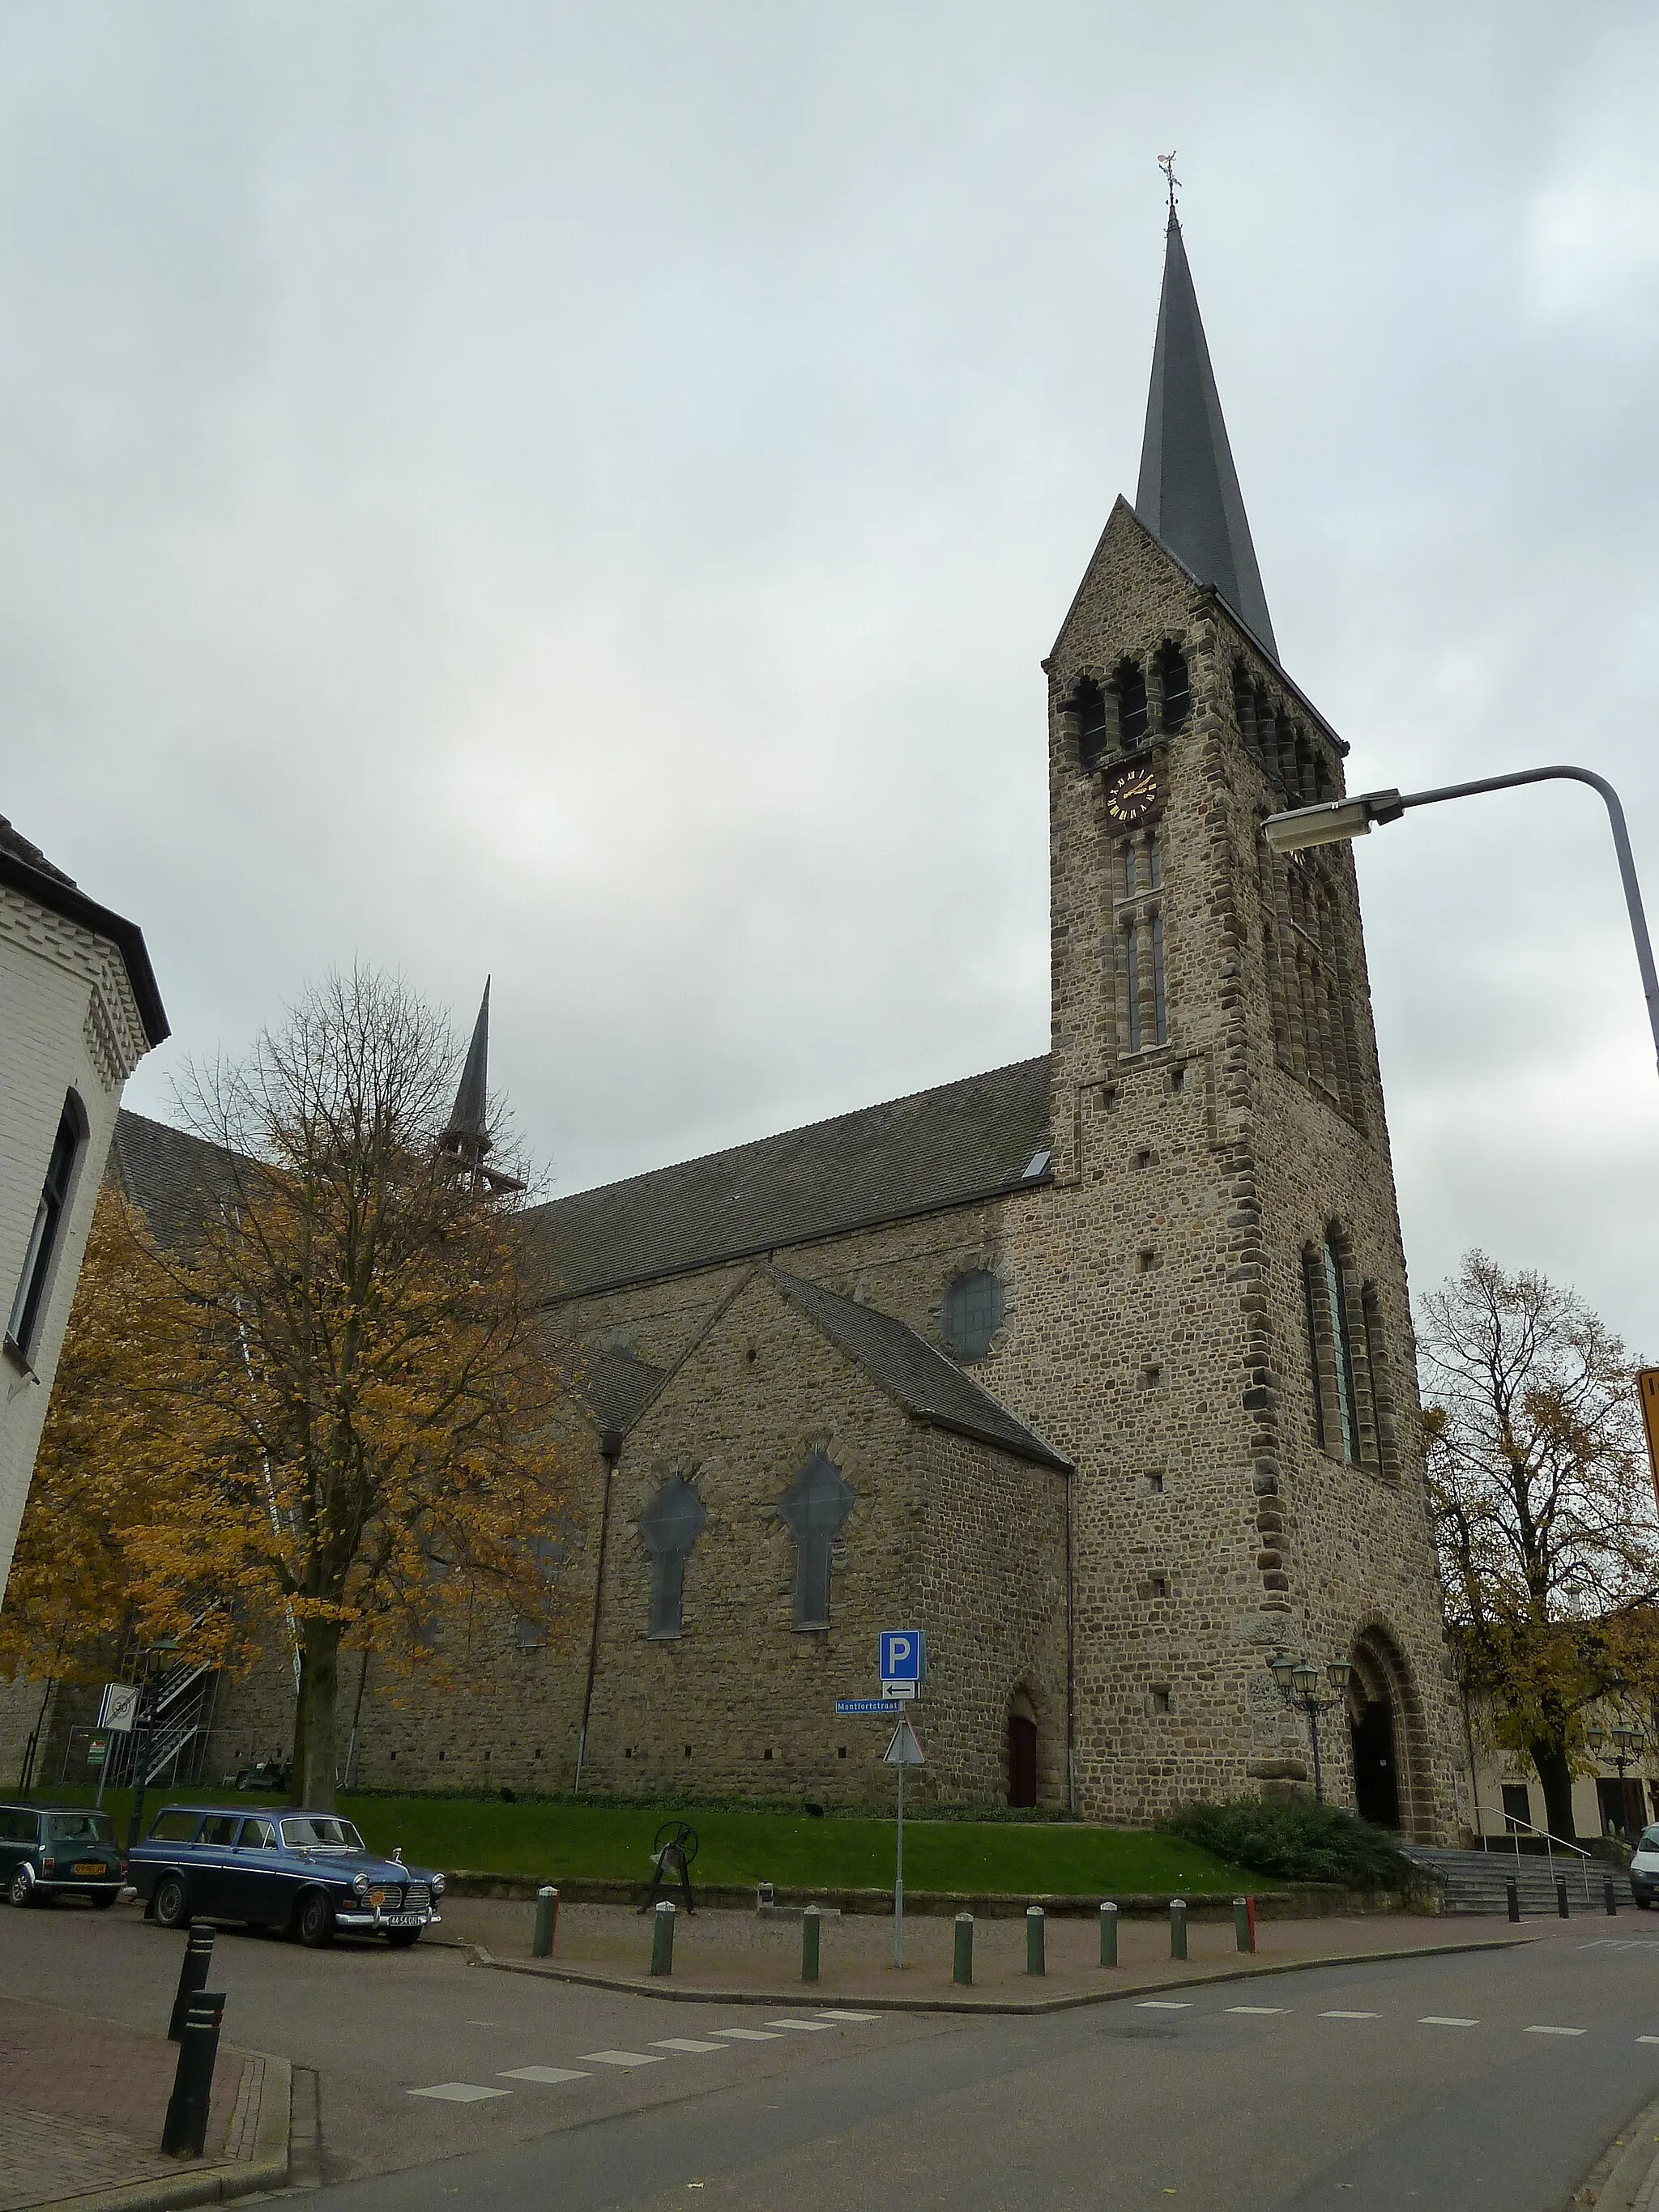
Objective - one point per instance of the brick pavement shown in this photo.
(83, 2103)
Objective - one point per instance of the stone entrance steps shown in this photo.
(1473, 1881)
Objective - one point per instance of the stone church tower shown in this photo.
(1223, 1339)
(1098, 1368)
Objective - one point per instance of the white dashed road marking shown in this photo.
(1159, 2004)
(806, 2027)
(1445, 2019)
(1351, 2015)
(459, 2092)
(685, 2043)
(1648, 2039)
(1555, 2031)
(750, 2034)
(1261, 2012)
(544, 2074)
(849, 2015)
(618, 2059)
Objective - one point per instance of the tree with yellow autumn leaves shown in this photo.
(1543, 1512)
(322, 1409)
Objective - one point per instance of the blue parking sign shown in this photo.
(902, 1654)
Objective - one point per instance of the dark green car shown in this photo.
(58, 1851)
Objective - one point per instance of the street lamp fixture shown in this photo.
(1338, 820)
(1299, 1684)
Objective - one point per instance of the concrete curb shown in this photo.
(1625, 2178)
(259, 2132)
(806, 1994)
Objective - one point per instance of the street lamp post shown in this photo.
(1626, 1743)
(1299, 1684)
(1335, 822)
(144, 1731)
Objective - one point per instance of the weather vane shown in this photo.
(1166, 162)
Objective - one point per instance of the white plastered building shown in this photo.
(78, 1010)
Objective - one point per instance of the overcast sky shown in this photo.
(582, 493)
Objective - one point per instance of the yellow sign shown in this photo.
(1647, 1390)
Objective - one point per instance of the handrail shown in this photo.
(1513, 1825)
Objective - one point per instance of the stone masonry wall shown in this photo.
(749, 1697)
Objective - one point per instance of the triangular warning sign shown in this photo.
(904, 1750)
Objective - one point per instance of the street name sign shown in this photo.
(861, 1705)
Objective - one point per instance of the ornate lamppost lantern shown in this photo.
(1298, 1683)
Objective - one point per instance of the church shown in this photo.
(1098, 1369)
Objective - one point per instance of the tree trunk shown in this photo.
(314, 1719)
(1549, 1757)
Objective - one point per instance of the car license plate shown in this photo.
(402, 1920)
(90, 1866)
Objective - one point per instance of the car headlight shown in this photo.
(437, 1885)
(360, 1885)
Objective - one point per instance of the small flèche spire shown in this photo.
(1189, 493)
(467, 1138)
(468, 1133)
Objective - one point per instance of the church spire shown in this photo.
(1189, 493)
(468, 1134)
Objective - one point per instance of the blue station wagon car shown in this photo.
(58, 1851)
(306, 1874)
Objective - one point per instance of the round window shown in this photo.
(974, 1309)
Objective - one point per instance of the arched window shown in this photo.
(1174, 688)
(1089, 705)
(1132, 721)
(813, 1508)
(23, 1325)
(1132, 965)
(974, 1307)
(669, 1527)
(1244, 706)
(1347, 1424)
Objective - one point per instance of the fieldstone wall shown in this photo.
(743, 1701)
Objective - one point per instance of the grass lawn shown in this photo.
(556, 1842)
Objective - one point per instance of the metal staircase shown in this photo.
(181, 1701)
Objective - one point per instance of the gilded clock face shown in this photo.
(1131, 796)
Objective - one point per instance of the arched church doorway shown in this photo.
(1022, 1752)
(1385, 1726)
(1375, 1783)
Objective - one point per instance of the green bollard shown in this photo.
(662, 1938)
(1244, 1923)
(1178, 1927)
(1108, 1933)
(547, 1919)
(962, 1966)
(811, 1923)
(1034, 1961)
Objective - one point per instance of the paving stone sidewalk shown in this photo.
(737, 1954)
(82, 2104)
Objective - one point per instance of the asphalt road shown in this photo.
(1491, 2080)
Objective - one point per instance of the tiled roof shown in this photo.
(928, 1386)
(168, 1174)
(13, 841)
(964, 1140)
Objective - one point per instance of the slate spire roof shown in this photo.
(468, 1133)
(1189, 493)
